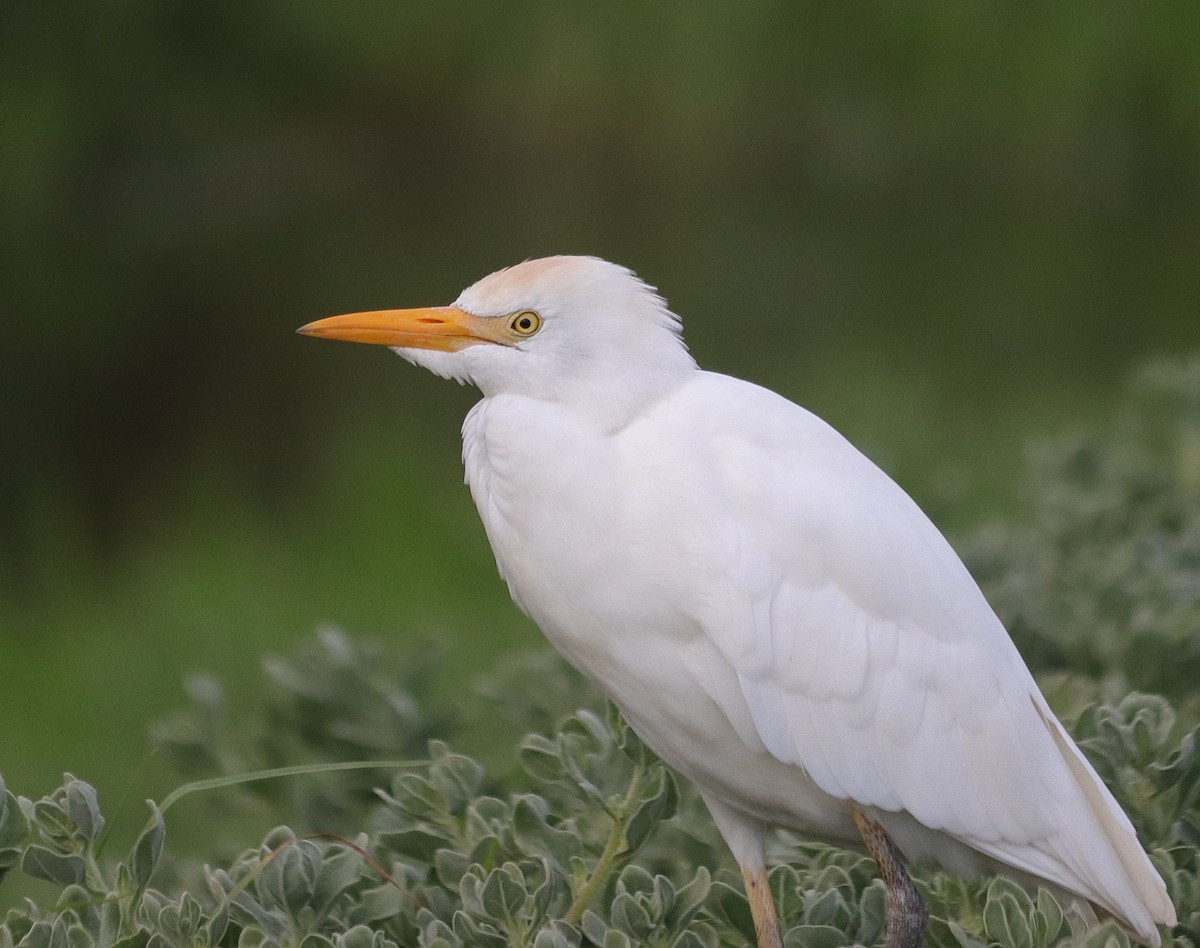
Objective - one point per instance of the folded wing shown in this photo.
(869, 658)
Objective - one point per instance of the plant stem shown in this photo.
(613, 847)
(234, 780)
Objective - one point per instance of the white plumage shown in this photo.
(773, 615)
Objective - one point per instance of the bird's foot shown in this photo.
(907, 913)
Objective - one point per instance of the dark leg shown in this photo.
(907, 912)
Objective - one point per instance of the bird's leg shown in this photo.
(762, 908)
(907, 912)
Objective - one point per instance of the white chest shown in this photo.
(572, 522)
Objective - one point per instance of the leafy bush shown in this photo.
(1103, 578)
(584, 838)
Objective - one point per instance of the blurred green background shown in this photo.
(943, 226)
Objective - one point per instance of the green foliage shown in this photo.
(561, 854)
(1101, 580)
(584, 838)
(333, 700)
(444, 862)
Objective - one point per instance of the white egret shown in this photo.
(774, 616)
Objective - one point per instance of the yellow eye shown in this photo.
(525, 323)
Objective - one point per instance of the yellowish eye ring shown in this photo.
(525, 323)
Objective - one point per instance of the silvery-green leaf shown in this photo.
(653, 809)
(616, 939)
(630, 916)
(84, 808)
(148, 848)
(42, 863)
(1006, 915)
(504, 892)
(537, 837)
(814, 936)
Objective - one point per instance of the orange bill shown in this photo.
(446, 328)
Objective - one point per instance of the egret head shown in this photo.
(568, 329)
